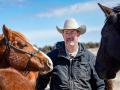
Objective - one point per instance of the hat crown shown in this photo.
(70, 24)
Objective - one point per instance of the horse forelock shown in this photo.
(116, 9)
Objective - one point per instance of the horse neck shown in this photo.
(32, 77)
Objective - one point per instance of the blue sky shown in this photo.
(37, 19)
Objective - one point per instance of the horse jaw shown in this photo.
(49, 63)
(40, 62)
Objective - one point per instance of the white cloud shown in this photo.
(12, 1)
(47, 36)
(41, 34)
(42, 37)
(75, 8)
(9, 3)
(93, 29)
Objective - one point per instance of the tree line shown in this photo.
(48, 48)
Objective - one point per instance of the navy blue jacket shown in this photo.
(75, 74)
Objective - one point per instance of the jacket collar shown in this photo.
(81, 50)
(61, 49)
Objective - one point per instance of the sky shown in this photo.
(37, 19)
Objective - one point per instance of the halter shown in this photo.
(6, 42)
(31, 54)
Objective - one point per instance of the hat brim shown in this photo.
(81, 29)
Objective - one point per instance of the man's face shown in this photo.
(71, 37)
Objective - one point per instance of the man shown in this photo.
(73, 64)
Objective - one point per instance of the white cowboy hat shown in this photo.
(72, 24)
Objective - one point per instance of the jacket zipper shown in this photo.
(70, 79)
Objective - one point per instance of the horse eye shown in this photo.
(22, 44)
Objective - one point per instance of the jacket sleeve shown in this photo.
(43, 81)
(96, 82)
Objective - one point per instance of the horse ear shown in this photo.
(108, 11)
(7, 33)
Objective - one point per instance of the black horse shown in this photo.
(108, 56)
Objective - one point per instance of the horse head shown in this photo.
(18, 53)
(108, 56)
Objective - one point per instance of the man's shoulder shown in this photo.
(91, 57)
(88, 54)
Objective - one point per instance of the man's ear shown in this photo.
(78, 33)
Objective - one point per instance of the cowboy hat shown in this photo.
(72, 24)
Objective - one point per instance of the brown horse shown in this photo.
(20, 62)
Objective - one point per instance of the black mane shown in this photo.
(116, 9)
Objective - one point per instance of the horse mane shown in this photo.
(116, 9)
